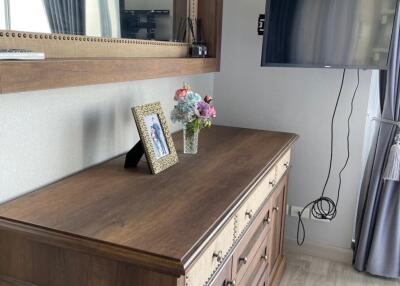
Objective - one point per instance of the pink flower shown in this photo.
(180, 94)
(205, 111)
(212, 112)
(208, 99)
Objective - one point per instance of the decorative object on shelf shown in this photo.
(194, 113)
(198, 48)
(155, 136)
(20, 54)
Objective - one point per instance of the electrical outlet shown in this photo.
(295, 210)
(320, 220)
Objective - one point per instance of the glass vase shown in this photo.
(190, 141)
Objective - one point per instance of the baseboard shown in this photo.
(335, 254)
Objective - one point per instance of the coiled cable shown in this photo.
(325, 208)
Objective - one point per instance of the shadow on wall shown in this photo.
(102, 133)
(91, 134)
(107, 130)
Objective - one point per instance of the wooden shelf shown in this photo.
(36, 75)
(19, 76)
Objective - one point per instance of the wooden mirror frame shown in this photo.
(82, 60)
(62, 46)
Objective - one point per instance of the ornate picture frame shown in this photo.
(155, 135)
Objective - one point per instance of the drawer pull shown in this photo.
(264, 258)
(244, 260)
(276, 209)
(286, 165)
(267, 220)
(231, 283)
(249, 214)
(218, 255)
(272, 183)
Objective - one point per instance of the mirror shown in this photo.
(161, 20)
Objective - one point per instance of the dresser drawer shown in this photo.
(247, 248)
(278, 202)
(254, 236)
(224, 276)
(264, 279)
(282, 165)
(257, 271)
(212, 257)
(253, 203)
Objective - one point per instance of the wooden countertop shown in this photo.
(157, 221)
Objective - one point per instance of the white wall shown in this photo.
(293, 100)
(47, 135)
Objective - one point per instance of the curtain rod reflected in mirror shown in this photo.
(90, 28)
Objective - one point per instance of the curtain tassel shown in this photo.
(392, 170)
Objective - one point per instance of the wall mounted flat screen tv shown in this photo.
(328, 33)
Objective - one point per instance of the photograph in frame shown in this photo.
(155, 135)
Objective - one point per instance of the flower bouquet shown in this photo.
(195, 113)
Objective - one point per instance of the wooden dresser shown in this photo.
(216, 218)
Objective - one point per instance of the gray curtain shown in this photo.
(105, 19)
(377, 248)
(66, 16)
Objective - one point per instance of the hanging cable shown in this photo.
(325, 208)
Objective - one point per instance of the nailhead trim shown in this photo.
(60, 37)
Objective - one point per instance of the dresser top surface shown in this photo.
(165, 215)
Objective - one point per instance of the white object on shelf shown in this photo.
(18, 54)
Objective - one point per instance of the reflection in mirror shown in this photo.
(147, 19)
(34, 10)
(3, 16)
(134, 19)
(101, 18)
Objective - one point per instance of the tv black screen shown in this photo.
(328, 33)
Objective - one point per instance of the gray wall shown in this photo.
(293, 100)
(47, 135)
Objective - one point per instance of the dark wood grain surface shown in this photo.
(164, 216)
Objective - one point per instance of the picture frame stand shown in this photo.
(133, 157)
